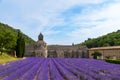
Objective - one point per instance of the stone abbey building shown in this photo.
(112, 52)
(41, 49)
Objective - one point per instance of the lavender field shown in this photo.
(59, 69)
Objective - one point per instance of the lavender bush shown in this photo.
(59, 69)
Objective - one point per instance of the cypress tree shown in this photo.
(23, 46)
(20, 47)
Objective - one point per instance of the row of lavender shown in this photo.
(59, 69)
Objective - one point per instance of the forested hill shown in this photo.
(8, 33)
(111, 39)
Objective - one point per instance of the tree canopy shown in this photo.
(95, 54)
(111, 39)
(8, 37)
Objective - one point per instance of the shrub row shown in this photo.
(112, 61)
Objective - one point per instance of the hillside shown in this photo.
(8, 37)
(111, 39)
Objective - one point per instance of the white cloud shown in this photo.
(35, 16)
(96, 22)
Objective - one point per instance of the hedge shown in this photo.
(112, 61)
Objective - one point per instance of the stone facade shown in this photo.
(67, 51)
(112, 52)
(40, 49)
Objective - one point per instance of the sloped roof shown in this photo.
(101, 48)
(65, 47)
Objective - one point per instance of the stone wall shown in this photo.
(29, 51)
(67, 51)
(76, 51)
(54, 51)
(111, 52)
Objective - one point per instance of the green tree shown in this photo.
(20, 47)
(9, 31)
(111, 39)
(7, 41)
(95, 54)
(23, 46)
(8, 38)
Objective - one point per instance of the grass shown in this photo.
(6, 58)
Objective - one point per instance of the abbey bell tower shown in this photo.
(40, 47)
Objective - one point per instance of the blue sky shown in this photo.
(62, 21)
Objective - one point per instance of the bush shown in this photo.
(112, 61)
(95, 54)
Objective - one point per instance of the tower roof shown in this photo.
(40, 37)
